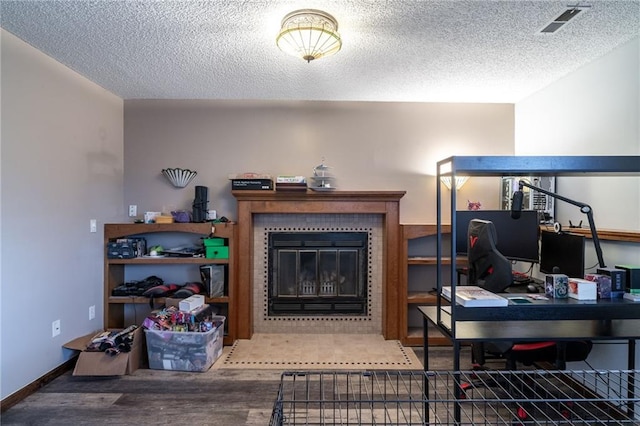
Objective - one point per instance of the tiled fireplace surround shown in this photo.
(263, 224)
(261, 212)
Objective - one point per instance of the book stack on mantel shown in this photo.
(251, 181)
(471, 296)
(291, 183)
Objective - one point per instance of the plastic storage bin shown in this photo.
(185, 351)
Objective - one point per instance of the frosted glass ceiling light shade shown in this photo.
(309, 34)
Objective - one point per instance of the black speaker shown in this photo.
(200, 204)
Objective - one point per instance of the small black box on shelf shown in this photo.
(126, 248)
(252, 184)
(632, 283)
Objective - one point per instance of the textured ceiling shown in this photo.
(394, 50)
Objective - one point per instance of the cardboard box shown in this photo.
(102, 364)
(603, 283)
(191, 303)
(556, 286)
(582, 289)
(185, 351)
(632, 283)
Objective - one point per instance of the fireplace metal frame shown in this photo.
(300, 255)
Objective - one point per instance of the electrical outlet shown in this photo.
(92, 312)
(93, 225)
(55, 328)
(133, 210)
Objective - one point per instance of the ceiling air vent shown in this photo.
(563, 19)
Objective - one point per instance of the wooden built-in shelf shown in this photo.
(114, 269)
(421, 297)
(159, 300)
(432, 260)
(414, 337)
(167, 261)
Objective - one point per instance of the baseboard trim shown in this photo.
(32, 387)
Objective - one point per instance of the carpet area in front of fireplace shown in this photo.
(319, 351)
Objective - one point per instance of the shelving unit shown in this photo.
(516, 166)
(454, 321)
(418, 262)
(115, 269)
(558, 320)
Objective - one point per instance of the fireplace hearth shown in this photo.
(317, 273)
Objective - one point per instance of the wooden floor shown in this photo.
(225, 397)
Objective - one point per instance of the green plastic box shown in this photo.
(213, 242)
(216, 252)
(215, 248)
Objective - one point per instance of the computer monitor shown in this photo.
(488, 268)
(517, 239)
(562, 253)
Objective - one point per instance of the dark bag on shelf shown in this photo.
(137, 288)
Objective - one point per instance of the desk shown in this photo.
(571, 322)
(565, 319)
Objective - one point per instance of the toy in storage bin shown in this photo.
(185, 350)
(215, 248)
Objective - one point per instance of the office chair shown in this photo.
(531, 353)
(487, 267)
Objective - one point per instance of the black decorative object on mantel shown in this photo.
(200, 204)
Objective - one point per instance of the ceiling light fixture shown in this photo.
(309, 34)
(460, 180)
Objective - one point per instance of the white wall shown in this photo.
(593, 111)
(371, 146)
(61, 165)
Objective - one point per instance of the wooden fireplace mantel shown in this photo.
(386, 203)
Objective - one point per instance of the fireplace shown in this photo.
(261, 213)
(317, 273)
(318, 309)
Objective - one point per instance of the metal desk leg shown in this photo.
(425, 368)
(425, 343)
(458, 390)
(561, 355)
(631, 365)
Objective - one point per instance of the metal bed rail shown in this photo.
(527, 397)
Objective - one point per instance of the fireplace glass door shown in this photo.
(318, 273)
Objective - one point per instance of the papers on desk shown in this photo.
(475, 297)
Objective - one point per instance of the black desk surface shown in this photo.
(538, 329)
(550, 309)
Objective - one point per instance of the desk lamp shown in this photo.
(516, 208)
